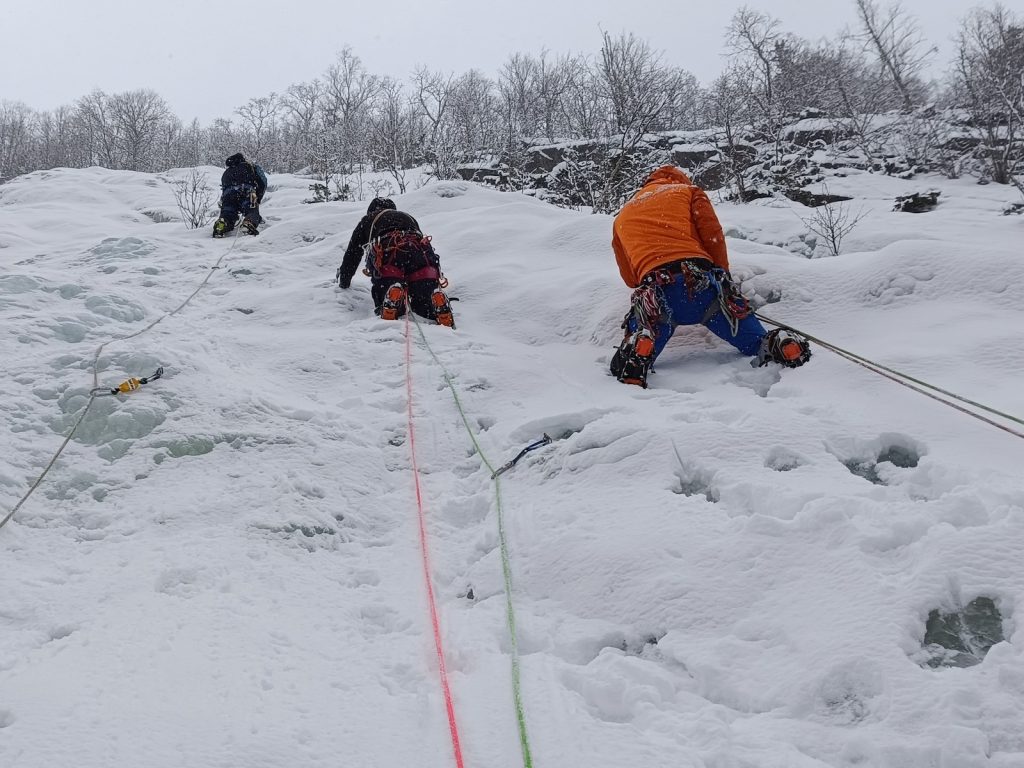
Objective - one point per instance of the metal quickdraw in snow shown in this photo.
(531, 447)
(129, 385)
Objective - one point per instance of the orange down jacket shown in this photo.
(668, 219)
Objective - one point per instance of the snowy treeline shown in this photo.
(349, 119)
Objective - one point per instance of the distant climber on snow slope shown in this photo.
(671, 251)
(242, 187)
(401, 263)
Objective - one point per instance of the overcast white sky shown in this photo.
(206, 57)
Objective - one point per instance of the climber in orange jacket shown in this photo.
(671, 250)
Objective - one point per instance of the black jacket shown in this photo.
(370, 227)
(243, 173)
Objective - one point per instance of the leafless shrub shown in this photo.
(194, 198)
(832, 222)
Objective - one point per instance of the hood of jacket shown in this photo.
(667, 174)
(380, 204)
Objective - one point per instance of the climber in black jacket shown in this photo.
(242, 187)
(400, 261)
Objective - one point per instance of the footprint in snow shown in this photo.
(879, 460)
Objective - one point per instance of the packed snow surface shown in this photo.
(731, 569)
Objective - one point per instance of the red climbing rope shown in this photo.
(424, 550)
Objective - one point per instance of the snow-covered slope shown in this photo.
(224, 568)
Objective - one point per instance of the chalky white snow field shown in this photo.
(224, 567)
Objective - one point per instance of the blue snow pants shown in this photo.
(680, 306)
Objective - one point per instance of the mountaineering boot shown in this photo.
(249, 227)
(220, 228)
(393, 305)
(785, 350)
(442, 308)
(632, 361)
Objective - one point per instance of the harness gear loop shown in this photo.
(731, 303)
(645, 304)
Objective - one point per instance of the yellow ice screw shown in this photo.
(129, 386)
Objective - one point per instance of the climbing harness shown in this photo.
(731, 303)
(648, 306)
(407, 256)
(531, 447)
(645, 306)
(922, 387)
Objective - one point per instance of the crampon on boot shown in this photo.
(393, 305)
(220, 228)
(249, 227)
(784, 349)
(442, 308)
(632, 361)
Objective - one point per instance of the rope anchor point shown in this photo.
(126, 386)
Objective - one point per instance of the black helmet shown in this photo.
(236, 159)
(381, 203)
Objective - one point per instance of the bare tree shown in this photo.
(191, 145)
(898, 44)
(551, 81)
(516, 87)
(259, 116)
(854, 94)
(393, 131)
(753, 36)
(475, 115)
(348, 93)
(123, 131)
(990, 78)
(301, 106)
(15, 126)
(683, 96)
(757, 42)
(324, 163)
(138, 117)
(434, 93)
(632, 79)
(100, 129)
(728, 111)
(168, 147)
(582, 105)
(222, 140)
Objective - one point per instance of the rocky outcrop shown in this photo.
(919, 202)
(812, 200)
